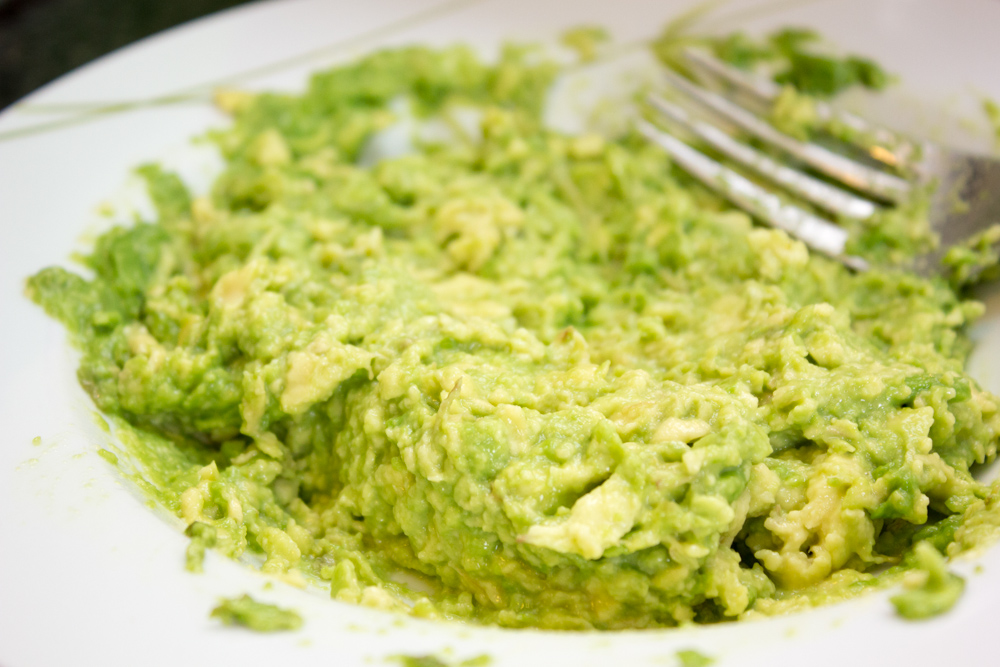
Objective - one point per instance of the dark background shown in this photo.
(42, 39)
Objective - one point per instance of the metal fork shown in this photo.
(955, 177)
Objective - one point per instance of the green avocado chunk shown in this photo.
(930, 588)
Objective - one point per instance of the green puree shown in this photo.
(548, 377)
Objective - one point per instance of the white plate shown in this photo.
(89, 575)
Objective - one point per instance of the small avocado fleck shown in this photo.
(108, 456)
(257, 616)
(692, 658)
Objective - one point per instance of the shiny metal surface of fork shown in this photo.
(965, 200)
(891, 149)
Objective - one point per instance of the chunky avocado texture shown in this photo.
(514, 376)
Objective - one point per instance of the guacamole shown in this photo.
(518, 377)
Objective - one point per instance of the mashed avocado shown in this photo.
(546, 378)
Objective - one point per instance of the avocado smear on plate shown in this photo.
(548, 378)
(258, 616)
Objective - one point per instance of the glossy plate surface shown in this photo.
(90, 575)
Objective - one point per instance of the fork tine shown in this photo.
(881, 143)
(824, 195)
(761, 90)
(858, 176)
(819, 234)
